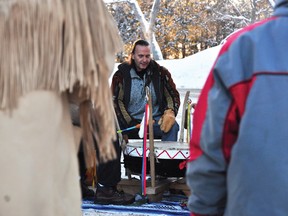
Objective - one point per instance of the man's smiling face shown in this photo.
(141, 57)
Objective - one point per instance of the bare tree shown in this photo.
(148, 27)
(183, 27)
(272, 2)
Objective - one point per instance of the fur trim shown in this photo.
(54, 44)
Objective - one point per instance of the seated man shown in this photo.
(128, 89)
(129, 95)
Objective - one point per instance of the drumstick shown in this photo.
(130, 128)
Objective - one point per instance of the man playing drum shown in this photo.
(129, 96)
(128, 88)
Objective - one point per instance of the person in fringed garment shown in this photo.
(53, 52)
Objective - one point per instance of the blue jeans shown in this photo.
(171, 135)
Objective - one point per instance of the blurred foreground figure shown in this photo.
(239, 145)
(52, 52)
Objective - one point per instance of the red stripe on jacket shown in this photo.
(239, 94)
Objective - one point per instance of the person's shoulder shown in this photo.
(246, 33)
(159, 67)
(123, 68)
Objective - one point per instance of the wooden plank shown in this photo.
(151, 142)
(180, 185)
(181, 139)
(160, 187)
(130, 186)
(154, 194)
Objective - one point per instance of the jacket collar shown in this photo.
(281, 8)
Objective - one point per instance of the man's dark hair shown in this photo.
(139, 42)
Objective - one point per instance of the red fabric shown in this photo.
(239, 93)
(194, 214)
(183, 165)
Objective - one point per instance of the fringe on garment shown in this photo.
(54, 44)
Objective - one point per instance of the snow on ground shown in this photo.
(192, 71)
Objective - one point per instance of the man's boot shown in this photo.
(110, 195)
(87, 193)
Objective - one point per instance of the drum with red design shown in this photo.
(168, 154)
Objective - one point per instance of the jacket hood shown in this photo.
(281, 8)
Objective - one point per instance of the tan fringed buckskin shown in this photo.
(55, 46)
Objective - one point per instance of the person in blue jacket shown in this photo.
(239, 145)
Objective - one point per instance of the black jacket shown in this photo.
(165, 89)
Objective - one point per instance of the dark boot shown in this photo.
(110, 195)
(87, 193)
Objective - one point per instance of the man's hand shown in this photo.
(167, 120)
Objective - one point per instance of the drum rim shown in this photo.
(160, 153)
